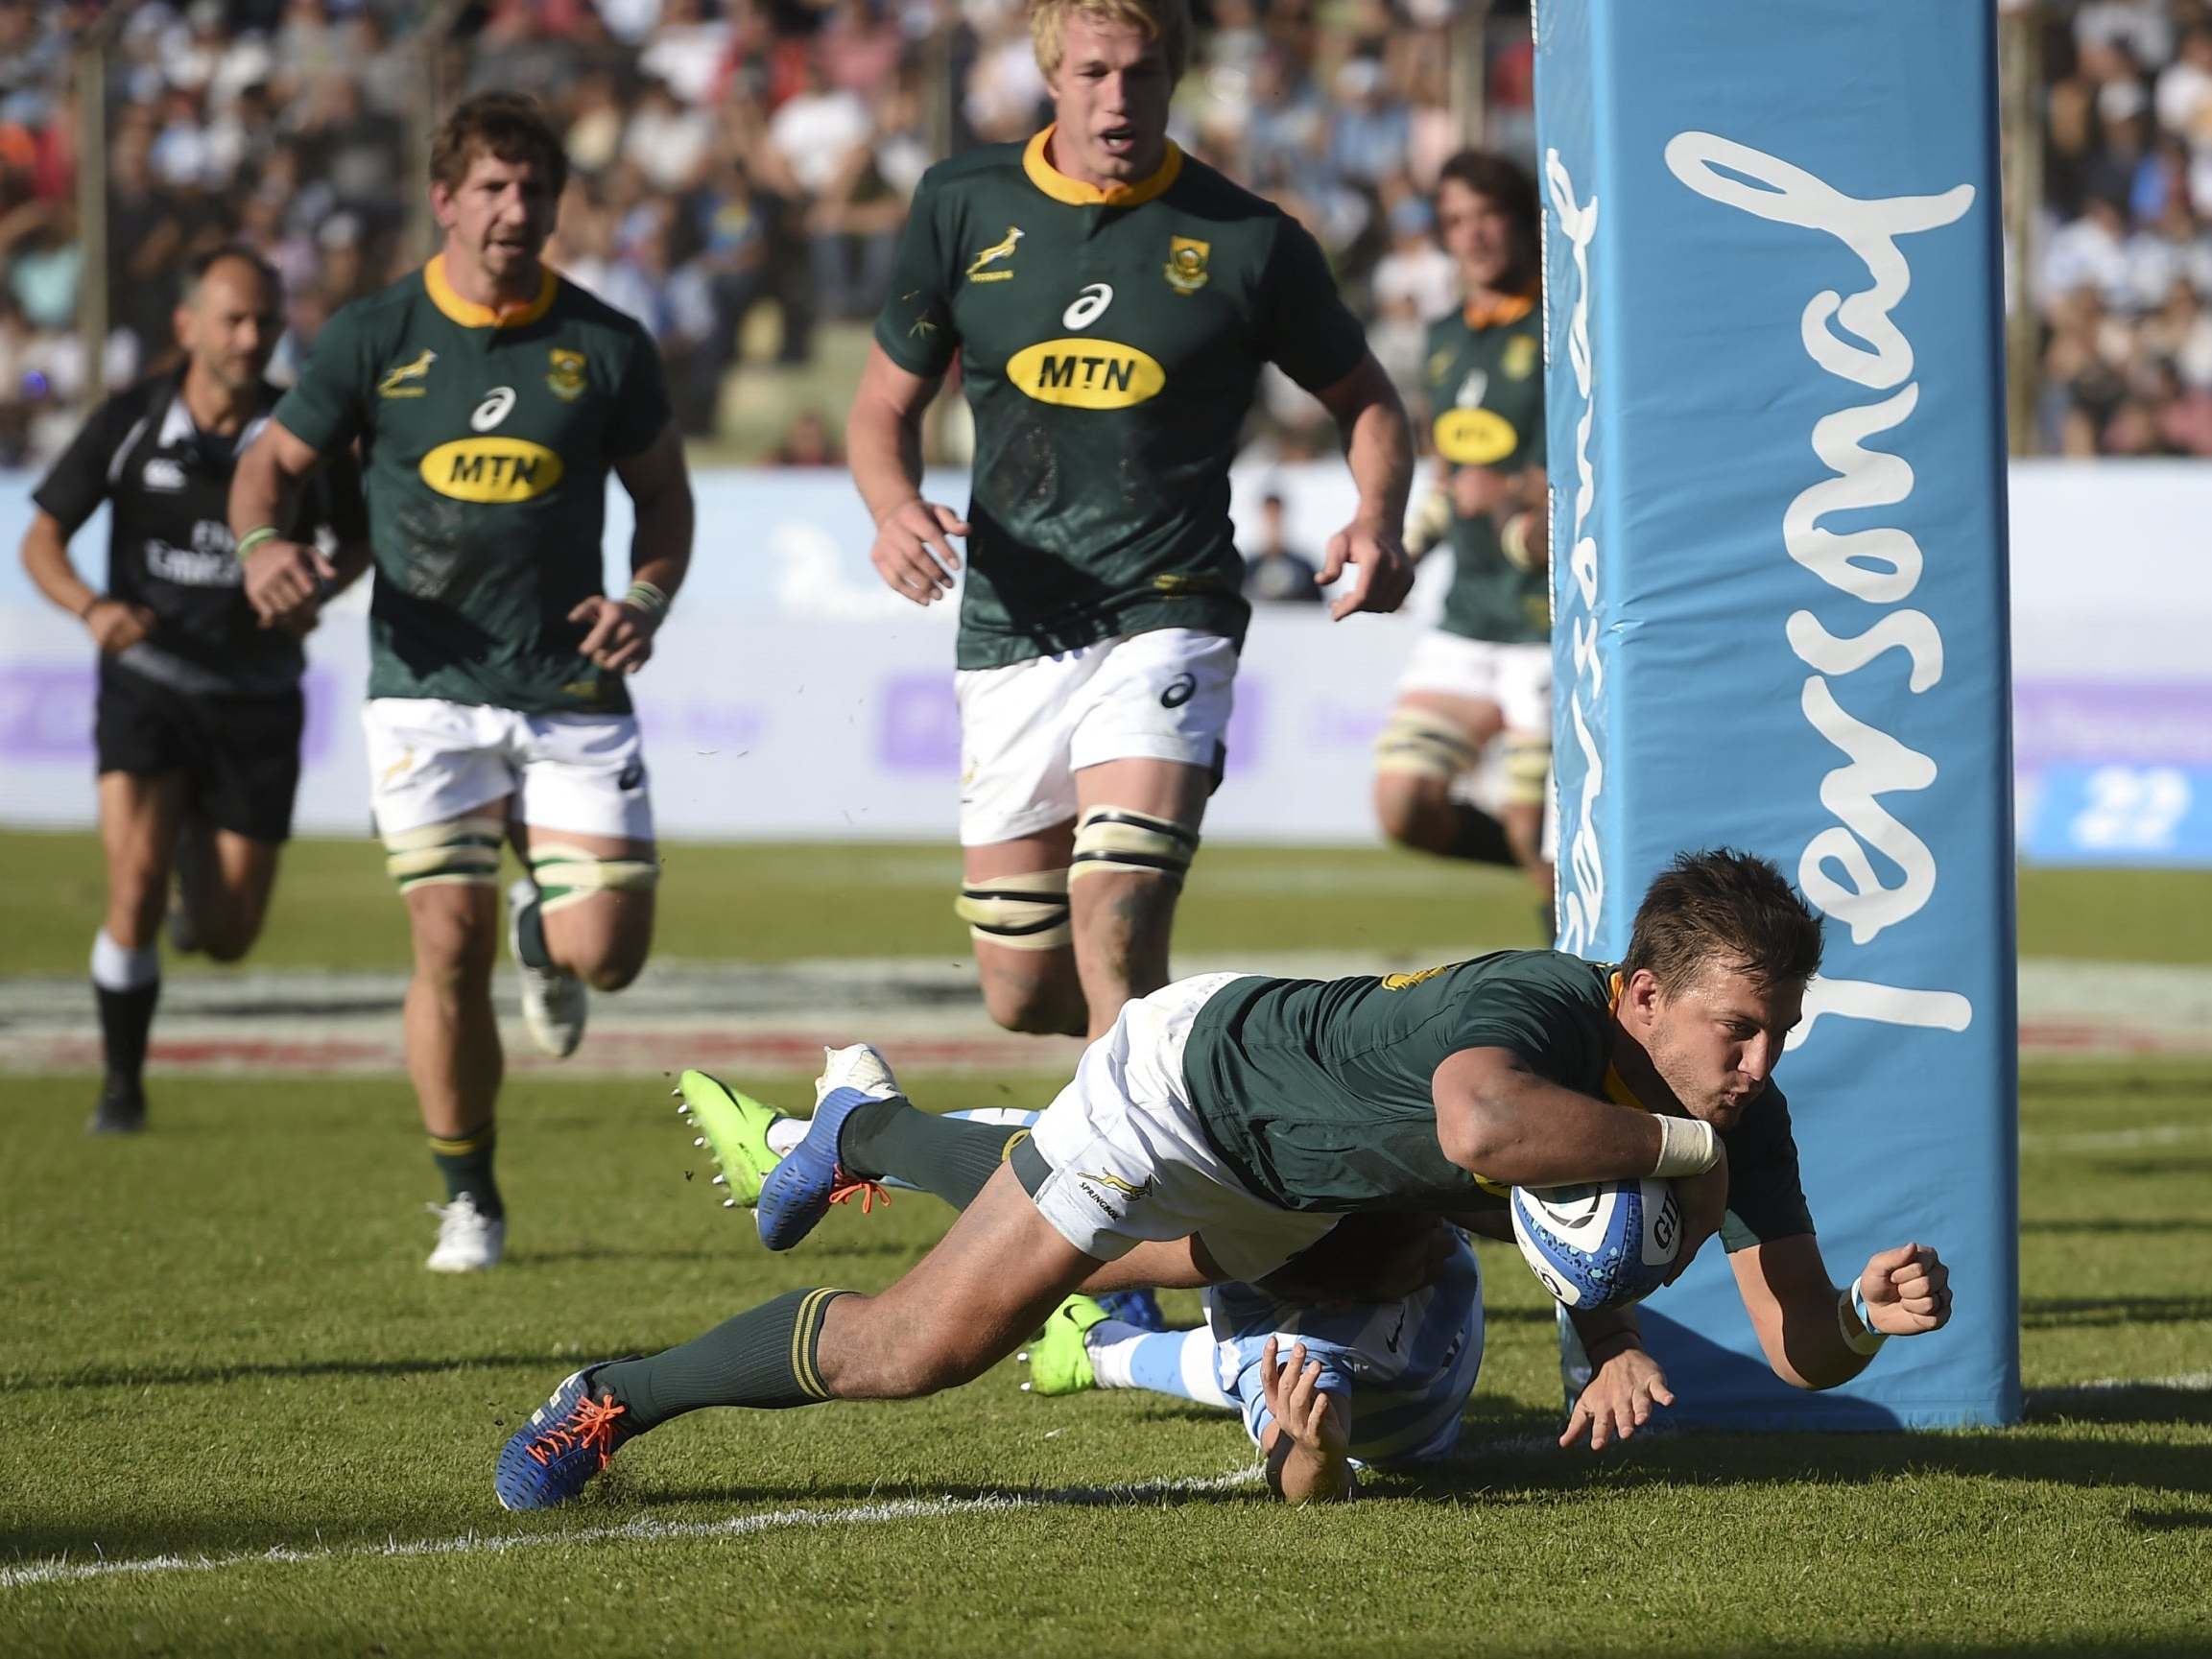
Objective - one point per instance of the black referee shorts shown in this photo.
(240, 755)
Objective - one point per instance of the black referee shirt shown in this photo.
(169, 544)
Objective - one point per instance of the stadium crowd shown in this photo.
(742, 169)
(2122, 278)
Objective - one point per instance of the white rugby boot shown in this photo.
(860, 1066)
(553, 1001)
(469, 1241)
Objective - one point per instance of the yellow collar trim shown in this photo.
(1076, 194)
(470, 315)
(1499, 311)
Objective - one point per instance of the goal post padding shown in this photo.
(1776, 428)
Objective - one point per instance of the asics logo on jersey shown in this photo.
(1088, 306)
(396, 382)
(1181, 690)
(497, 404)
(1079, 373)
(991, 255)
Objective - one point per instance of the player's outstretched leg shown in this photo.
(964, 1307)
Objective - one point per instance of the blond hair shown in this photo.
(1166, 23)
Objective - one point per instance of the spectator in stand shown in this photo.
(1273, 571)
(807, 442)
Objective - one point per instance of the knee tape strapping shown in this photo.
(1116, 839)
(1423, 744)
(460, 852)
(567, 875)
(1027, 913)
(1528, 767)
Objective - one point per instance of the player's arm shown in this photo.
(1498, 1118)
(912, 550)
(1379, 448)
(1525, 520)
(286, 580)
(1812, 1334)
(1307, 1446)
(618, 632)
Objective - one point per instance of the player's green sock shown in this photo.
(951, 1158)
(465, 1163)
(764, 1359)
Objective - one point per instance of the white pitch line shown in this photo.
(643, 1530)
(2195, 1381)
(2112, 1140)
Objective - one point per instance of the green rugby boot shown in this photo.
(1059, 1362)
(734, 1128)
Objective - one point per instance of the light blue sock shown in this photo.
(1177, 1362)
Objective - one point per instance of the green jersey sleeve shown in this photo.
(641, 408)
(1766, 1195)
(1545, 1019)
(1304, 326)
(327, 407)
(915, 327)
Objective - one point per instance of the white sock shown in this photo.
(1177, 1362)
(115, 968)
(784, 1134)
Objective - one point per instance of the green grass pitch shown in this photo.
(217, 1343)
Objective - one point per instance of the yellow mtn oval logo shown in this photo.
(491, 469)
(1475, 437)
(1086, 374)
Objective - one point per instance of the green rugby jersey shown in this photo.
(1319, 1092)
(1109, 342)
(1484, 378)
(486, 443)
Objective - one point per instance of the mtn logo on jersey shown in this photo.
(991, 255)
(491, 469)
(1086, 374)
(1475, 437)
(399, 381)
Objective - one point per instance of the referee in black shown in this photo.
(200, 713)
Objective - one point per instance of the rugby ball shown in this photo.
(1601, 1244)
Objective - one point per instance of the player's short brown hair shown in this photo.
(1167, 23)
(507, 125)
(1726, 910)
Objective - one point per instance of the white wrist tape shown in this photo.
(1687, 1147)
(1858, 1333)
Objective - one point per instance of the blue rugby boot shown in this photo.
(1138, 1308)
(799, 1191)
(568, 1441)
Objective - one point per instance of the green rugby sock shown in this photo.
(764, 1359)
(951, 1158)
(466, 1164)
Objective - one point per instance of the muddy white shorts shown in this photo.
(431, 761)
(1027, 728)
(1120, 1158)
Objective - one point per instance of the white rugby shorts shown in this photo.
(1128, 1161)
(431, 761)
(1516, 678)
(1028, 727)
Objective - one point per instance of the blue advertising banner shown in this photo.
(1771, 283)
